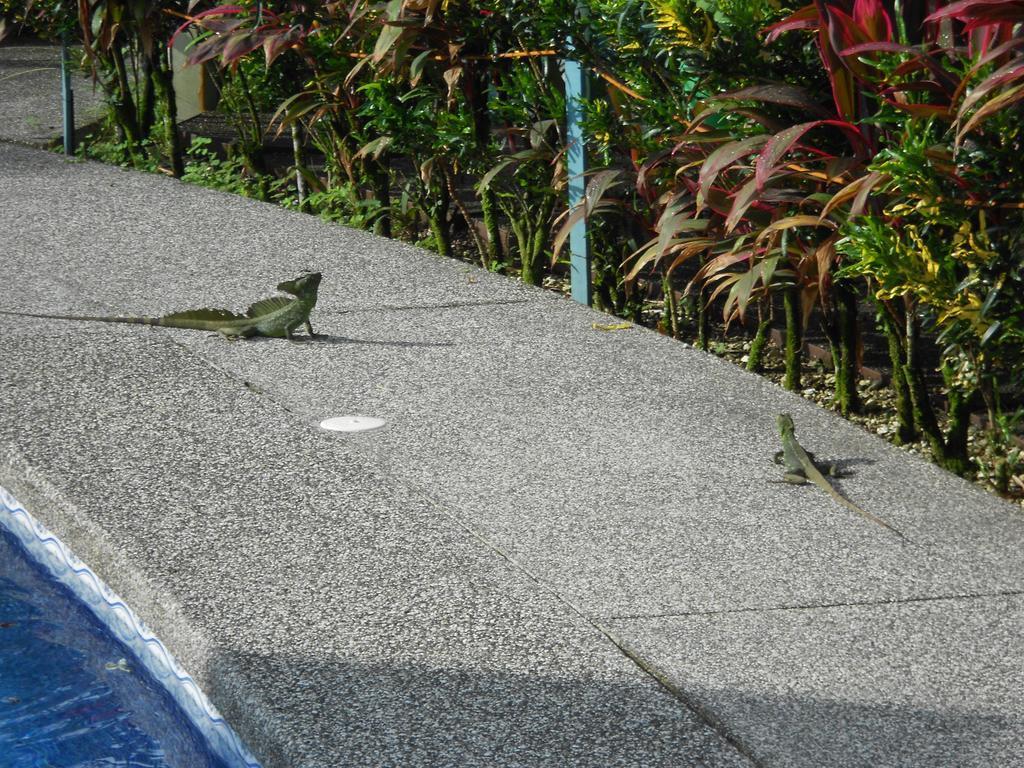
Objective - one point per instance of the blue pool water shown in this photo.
(71, 696)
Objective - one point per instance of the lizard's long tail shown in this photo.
(868, 516)
(87, 318)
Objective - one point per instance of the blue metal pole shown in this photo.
(579, 247)
(68, 96)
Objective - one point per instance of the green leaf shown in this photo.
(1000, 102)
(801, 220)
(687, 249)
(779, 93)
(374, 148)
(98, 19)
(390, 34)
(740, 293)
(669, 224)
(722, 158)
(531, 154)
(599, 184)
(993, 295)
(538, 133)
(741, 201)
(592, 202)
(292, 108)
(991, 331)
(767, 268)
(417, 66)
(488, 177)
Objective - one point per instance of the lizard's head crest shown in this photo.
(301, 286)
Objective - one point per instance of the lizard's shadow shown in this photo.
(844, 467)
(323, 338)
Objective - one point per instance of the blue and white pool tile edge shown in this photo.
(62, 564)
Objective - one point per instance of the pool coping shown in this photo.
(58, 560)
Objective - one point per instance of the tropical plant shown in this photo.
(126, 42)
(749, 158)
(48, 19)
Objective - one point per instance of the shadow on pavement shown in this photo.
(346, 712)
(359, 713)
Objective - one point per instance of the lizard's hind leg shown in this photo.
(233, 334)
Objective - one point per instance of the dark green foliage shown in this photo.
(738, 148)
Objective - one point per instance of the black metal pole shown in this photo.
(68, 96)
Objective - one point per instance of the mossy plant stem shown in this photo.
(794, 337)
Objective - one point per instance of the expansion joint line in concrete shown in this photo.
(412, 307)
(702, 713)
(816, 606)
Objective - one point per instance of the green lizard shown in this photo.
(276, 317)
(800, 469)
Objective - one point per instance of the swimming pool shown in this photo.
(72, 695)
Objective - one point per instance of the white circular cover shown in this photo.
(352, 423)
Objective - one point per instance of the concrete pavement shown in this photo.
(30, 97)
(564, 548)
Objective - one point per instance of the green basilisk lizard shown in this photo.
(276, 317)
(800, 469)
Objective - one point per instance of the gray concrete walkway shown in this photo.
(564, 549)
(30, 96)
